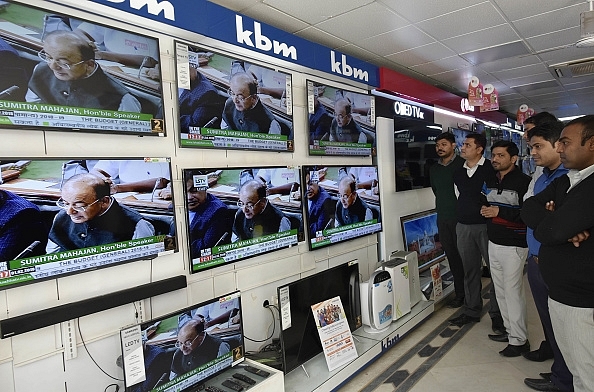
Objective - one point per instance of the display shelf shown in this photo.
(273, 383)
(314, 374)
(447, 283)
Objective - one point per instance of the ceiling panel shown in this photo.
(270, 15)
(514, 73)
(481, 39)
(397, 41)
(509, 63)
(555, 39)
(426, 9)
(515, 9)
(549, 22)
(443, 65)
(422, 54)
(315, 11)
(321, 37)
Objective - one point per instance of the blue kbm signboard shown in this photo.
(212, 20)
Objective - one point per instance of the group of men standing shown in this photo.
(489, 210)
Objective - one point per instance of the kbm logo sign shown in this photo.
(261, 41)
(154, 7)
(342, 68)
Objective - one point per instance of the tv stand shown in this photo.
(314, 375)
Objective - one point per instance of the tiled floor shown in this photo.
(440, 357)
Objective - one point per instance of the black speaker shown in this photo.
(43, 318)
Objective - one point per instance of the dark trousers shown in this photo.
(447, 237)
(561, 377)
(473, 245)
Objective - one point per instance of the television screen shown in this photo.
(342, 203)
(414, 152)
(65, 216)
(235, 213)
(299, 334)
(340, 122)
(419, 232)
(62, 73)
(185, 348)
(230, 103)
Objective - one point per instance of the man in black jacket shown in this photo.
(471, 230)
(562, 217)
(507, 245)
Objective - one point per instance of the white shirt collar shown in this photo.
(471, 170)
(576, 176)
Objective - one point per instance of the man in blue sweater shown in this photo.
(507, 245)
(471, 230)
(562, 216)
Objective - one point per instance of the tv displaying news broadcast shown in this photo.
(230, 103)
(183, 349)
(66, 216)
(340, 122)
(342, 203)
(62, 73)
(236, 213)
(420, 234)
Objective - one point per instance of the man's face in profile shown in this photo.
(240, 94)
(194, 197)
(347, 196)
(81, 202)
(252, 205)
(312, 187)
(60, 51)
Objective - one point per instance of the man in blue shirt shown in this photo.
(543, 142)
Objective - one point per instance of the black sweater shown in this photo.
(470, 200)
(567, 270)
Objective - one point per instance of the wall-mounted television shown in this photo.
(236, 213)
(342, 203)
(231, 103)
(62, 73)
(340, 121)
(414, 152)
(183, 349)
(299, 335)
(420, 234)
(71, 215)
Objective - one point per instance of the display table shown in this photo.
(314, 374)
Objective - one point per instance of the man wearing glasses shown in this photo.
(343, 127)
(69, 76)
(244, 111)
(350, 208)
(256, 215)
(195, 347)
(91, 217)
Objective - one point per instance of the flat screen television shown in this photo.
(414, 152)
(299, 335)
(340, 121)
(342, 203)
(230, 103)
(65, 216)
(420, 234)
(236, 213)
(62, 73)
(181, 350)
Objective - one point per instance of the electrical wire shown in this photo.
(93, 359)
(273, 327)
(117, 387)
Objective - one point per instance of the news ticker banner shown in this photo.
(226, 138)
(54, 116)
(60, 263)
(245, 248)
(342, 233)
(321, 147)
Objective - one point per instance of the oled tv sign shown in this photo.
(225, 25)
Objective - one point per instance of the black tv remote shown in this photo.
(256, 371)
(244, 378)
(233, 385)
(211, 388)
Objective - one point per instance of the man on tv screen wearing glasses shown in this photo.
(244, 111)
(256, 215)
(344, 128)
(70, 76)
(91, 217)
(350, 208)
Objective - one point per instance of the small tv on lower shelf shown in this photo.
(181, 350)
(299, 336)
(420, 234)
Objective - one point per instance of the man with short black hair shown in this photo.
(507, 245)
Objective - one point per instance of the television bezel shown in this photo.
(312, 150)
(51, 202)
(160, 95)
(417, 215)
(247, 61)
(352, 306)
(300, 235)
(234, 294)
(304, 171)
